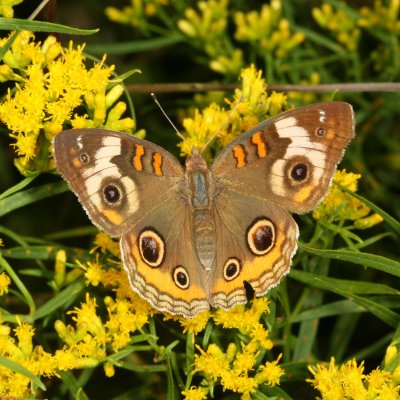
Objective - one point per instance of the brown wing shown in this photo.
(289, 159)
(256, 240)
(118, 178)
(161, 261)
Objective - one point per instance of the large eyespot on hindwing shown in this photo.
(181, 277)
(151, 247)
(232, 269)
(261, 236)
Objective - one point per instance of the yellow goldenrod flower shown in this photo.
(382, 15)
(86, 316)
(51, 83)
(339, 206)
(5, 282)
(193, 325)
(241, 318)
(228, 64)
(212, 362)
(6, 7)
(94, 272)
(270, 372)
(254, 105)
(202, 126)
(267, 30)
(195, 393)
(136, 14)
(104, 243)
(341, 24)
(109, 369)
(349, 382)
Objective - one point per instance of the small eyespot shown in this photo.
(231, 269)
(112, 194)
(299, 172)
(181, 277)
(151, 248)
(261, 236)
(320, 131)
(84, 157)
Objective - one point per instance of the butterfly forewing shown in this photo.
(289, 159)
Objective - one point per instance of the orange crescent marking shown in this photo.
(157, 163)
(257, 139)
(240, 155)
(137, 160)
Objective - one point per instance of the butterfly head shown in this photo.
(196, 161)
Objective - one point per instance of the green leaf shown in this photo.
(44, 253)
(19, 186)
(72, 385)
(19, 369)
(366, 259)
(20, 199)
(322, 282)
(395, 224)
(340, 307)
(65, 296)
(10, 24)
(356, 287)
(135, 46)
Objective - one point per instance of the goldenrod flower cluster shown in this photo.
(348, 381)
(238, 368)
(51, 82)
(340, 206)
(251, 103)
(206, 26)
(347, 26)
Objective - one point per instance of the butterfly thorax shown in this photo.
(200, 186)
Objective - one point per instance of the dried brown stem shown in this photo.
(320, 88)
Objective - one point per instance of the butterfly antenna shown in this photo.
(223, 123)
(153, 95)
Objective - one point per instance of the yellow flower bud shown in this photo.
(113, 95)
(187, 28)
(59, 267)
(109, 369)
(115, 113)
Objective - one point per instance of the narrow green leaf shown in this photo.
(32, 195)
(19, 369)
(10, 24)
(65, 296)
(321, 40)
(72, 385)
(142, 368)
(395, 224)
(88, 230)
(19, 186)
(19, 284)
(380, 311)
(340, 307)
(44, 253)
(366, 259)
(135, 46)
(356, 287)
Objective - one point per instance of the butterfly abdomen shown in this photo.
(204, 237)
(200, 189)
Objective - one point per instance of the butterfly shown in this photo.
(194, 237)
